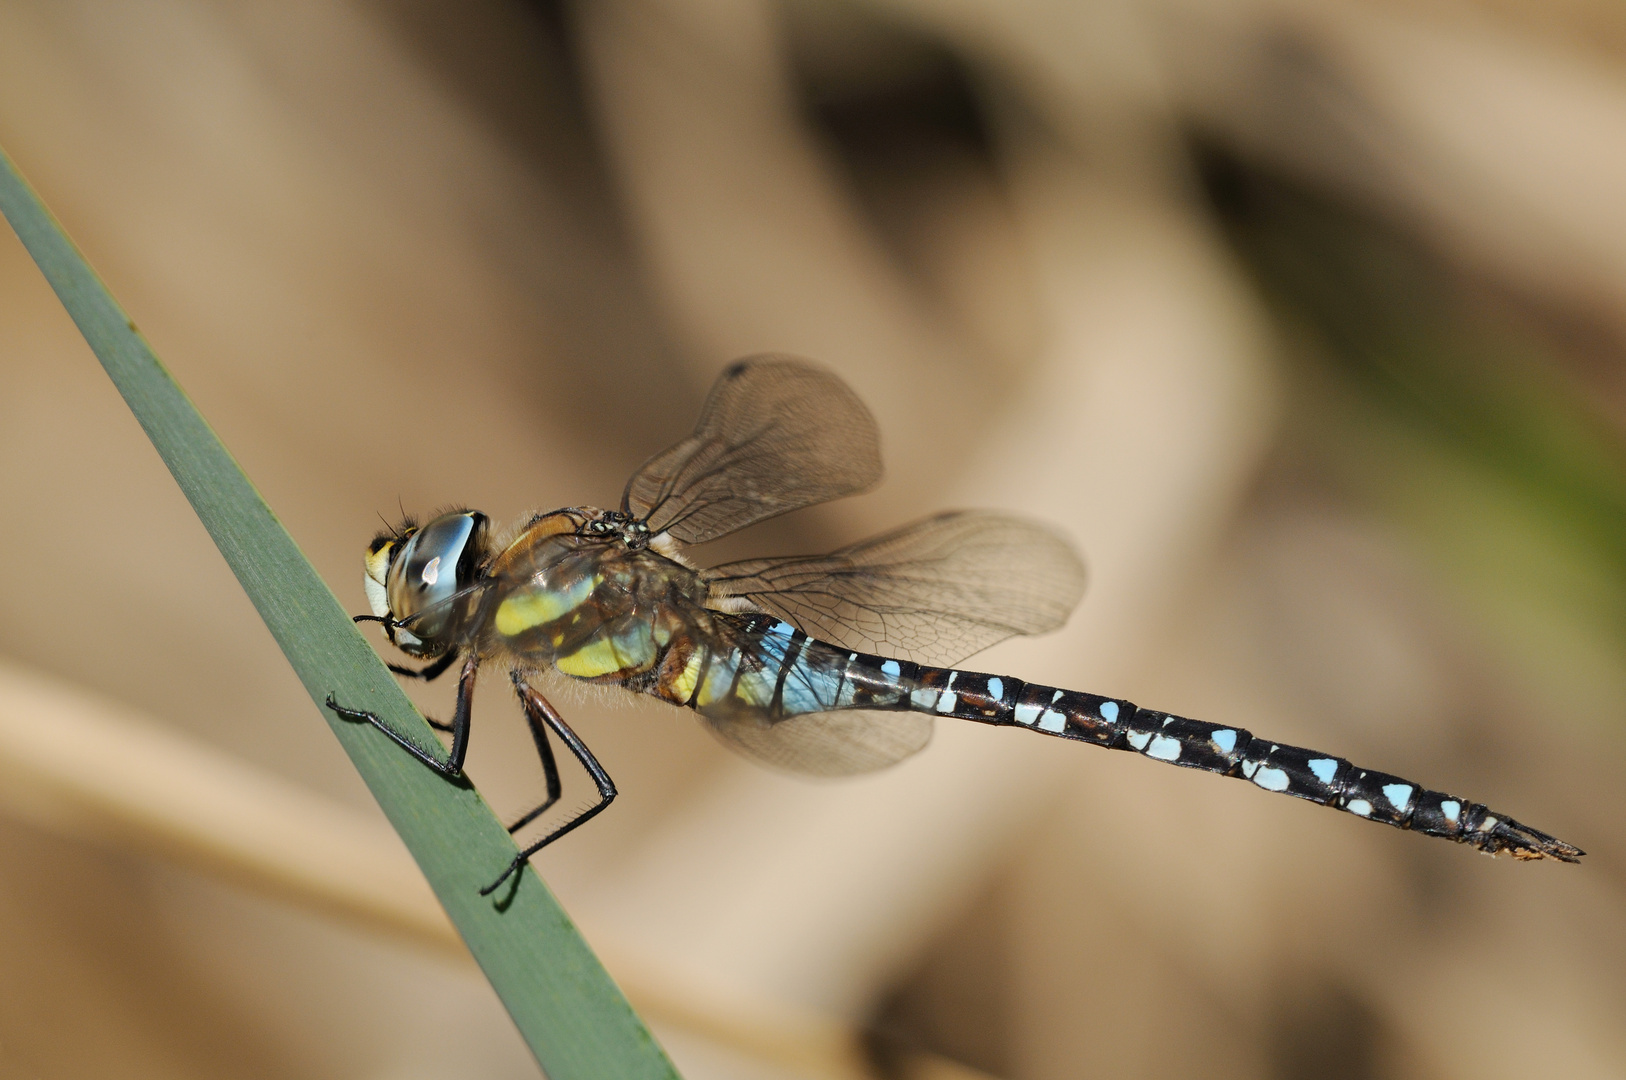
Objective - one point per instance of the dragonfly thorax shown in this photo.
(633, 532)
(420, 580)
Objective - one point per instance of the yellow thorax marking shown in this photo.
(683, 686)
(597, 657)
(535, 606)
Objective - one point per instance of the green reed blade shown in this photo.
(574, 1017)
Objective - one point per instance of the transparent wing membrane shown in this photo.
(933, 592)
(776, 434)
(826, 744)
(779, 699)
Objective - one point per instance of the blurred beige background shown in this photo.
(1305, 319)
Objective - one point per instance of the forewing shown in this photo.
(776, 434)
(933, 592)
(838, 743)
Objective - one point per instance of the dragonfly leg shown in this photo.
(539, 711)
(550, 767)
(452, 767)
(428, 673)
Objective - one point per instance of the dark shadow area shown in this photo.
(1500, 380)
(1322, 1031)
(953, 1003)
(514, 64)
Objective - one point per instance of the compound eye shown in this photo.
(435, 562)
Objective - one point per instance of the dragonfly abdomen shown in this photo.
(879, 683)
(796, 675)
(1230, 751)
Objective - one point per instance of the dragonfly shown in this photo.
(828, 665)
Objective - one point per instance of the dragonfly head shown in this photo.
(419, 580)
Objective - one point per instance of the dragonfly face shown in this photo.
(418, 581)
(826, 665)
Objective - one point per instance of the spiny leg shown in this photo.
(550, 767)
(538, 710)
(427, 674)
(452, 767)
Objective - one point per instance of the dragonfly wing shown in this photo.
(826, 744)
(933, 592)
(776, 434)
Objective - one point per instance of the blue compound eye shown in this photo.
(434, 563)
